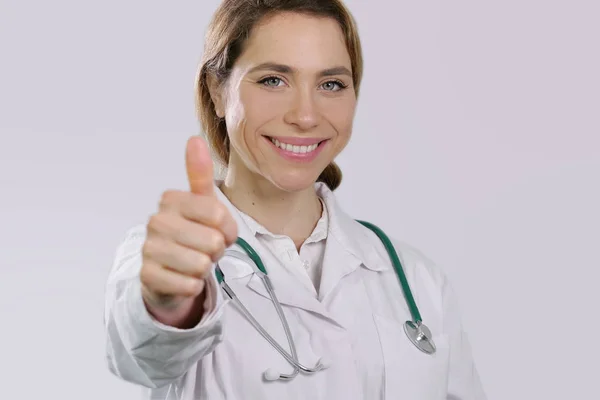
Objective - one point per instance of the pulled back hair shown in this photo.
(226, 36)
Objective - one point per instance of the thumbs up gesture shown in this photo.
(190, 231)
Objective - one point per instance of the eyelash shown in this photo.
(341, 84)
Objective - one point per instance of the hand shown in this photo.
(190, 231)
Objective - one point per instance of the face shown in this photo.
(289, 102)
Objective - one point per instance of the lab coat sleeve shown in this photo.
(139, 349)
(463, 380)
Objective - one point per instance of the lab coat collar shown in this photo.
(348, 246)
(351, 235)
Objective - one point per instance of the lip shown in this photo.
(299, 157)
(297, 141)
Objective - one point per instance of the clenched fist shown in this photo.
(190, 231)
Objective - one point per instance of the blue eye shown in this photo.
(271, 81)
(329, 86)
(333, 86)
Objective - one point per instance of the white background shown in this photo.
(477, 140)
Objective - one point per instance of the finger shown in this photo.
(188, 234)
(213, 213)
(230, 231)
(206, 210)
(176, 257)
(162, 281)
(199, 166)
(171, 200)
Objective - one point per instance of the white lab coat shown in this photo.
(356, 323)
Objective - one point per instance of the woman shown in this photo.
(276, 93)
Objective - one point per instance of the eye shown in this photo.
(271, 81)
(333, 86)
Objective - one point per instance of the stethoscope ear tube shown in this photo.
(252, 254)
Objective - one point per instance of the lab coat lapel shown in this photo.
(337, 263)
(288, 290)
(348, 246)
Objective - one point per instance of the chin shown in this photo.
(294, 182)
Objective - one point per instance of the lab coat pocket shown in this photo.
(408, 372)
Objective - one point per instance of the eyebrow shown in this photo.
(286, 69)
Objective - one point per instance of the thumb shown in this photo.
(198, 163)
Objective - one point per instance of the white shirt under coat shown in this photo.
(355, 319)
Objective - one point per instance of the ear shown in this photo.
(216, 95)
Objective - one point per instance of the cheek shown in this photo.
(235, 115)
(247, 113)
(260, 106)
(341, 116)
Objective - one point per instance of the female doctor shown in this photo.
(189, 313)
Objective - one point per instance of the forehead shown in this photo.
(298, 40)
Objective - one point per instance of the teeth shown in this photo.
(293, 148)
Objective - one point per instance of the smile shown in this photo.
(297, 149)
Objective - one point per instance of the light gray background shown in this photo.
(476, 140)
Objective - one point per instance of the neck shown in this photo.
(293, 214)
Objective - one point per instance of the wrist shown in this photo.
(176, 311)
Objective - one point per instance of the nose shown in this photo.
(303, 111)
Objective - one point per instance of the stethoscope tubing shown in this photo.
(291, 358)
(412, 328)
(410, 300)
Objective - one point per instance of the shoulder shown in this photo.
(418, 259)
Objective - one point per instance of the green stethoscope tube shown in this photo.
(389, 247)
(251, 253)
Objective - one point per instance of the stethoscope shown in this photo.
(415, 330)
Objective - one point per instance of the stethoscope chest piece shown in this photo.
(420, 336)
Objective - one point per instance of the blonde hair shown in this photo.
(227, 34)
